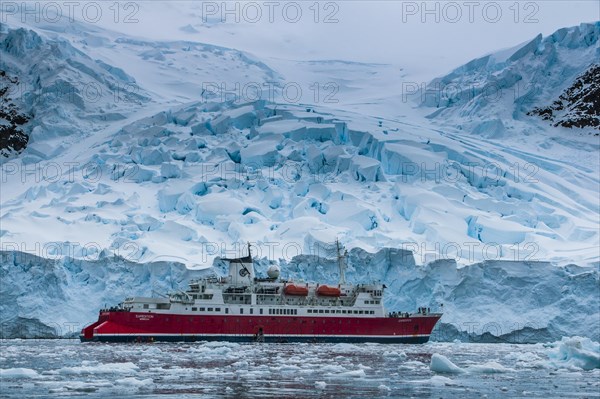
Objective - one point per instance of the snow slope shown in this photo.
(492, 95)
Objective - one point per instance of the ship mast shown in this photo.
(341, 260)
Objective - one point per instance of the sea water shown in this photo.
(68, 368)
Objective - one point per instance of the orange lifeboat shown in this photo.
(326, 290)
(297, 290)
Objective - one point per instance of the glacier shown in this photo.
(507, 301)
(135, 195)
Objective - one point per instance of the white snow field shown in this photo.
(162, 170)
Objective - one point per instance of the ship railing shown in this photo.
(210, 279)
(398, 315)
(114, 309)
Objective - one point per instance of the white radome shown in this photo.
(273, 271)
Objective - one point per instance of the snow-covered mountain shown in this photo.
(62, 90)
(491, 96)
(107, 189)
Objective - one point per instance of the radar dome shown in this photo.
(273, 271)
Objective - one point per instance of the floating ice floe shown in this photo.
(18, 373)
(441, 364)
(575, 353)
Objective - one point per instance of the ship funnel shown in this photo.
(241, 270)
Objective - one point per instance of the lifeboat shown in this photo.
(325, 290)
(298, 290)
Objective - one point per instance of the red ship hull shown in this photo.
(144, 327)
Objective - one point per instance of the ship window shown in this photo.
(251, 311)
(241, 310)
(338, 311)
(270, 311)
(146, 306)
(217, 309)
(360, 312)
(320, 310)
(295, 311)
(260, 310)
(194, 309)
(326, 310)
(226, 310)
(356, 312)
(309, 310)
(377, 302)
(202, 309)
(343, 311)
(210, 309)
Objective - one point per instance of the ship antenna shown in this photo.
(249, 251)
(341, 260)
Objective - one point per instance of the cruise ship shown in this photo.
(241, 307)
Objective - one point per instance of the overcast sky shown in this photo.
(425, 38)
(429, 38)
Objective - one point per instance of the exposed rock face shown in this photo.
(13, 120)
(579, 105)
